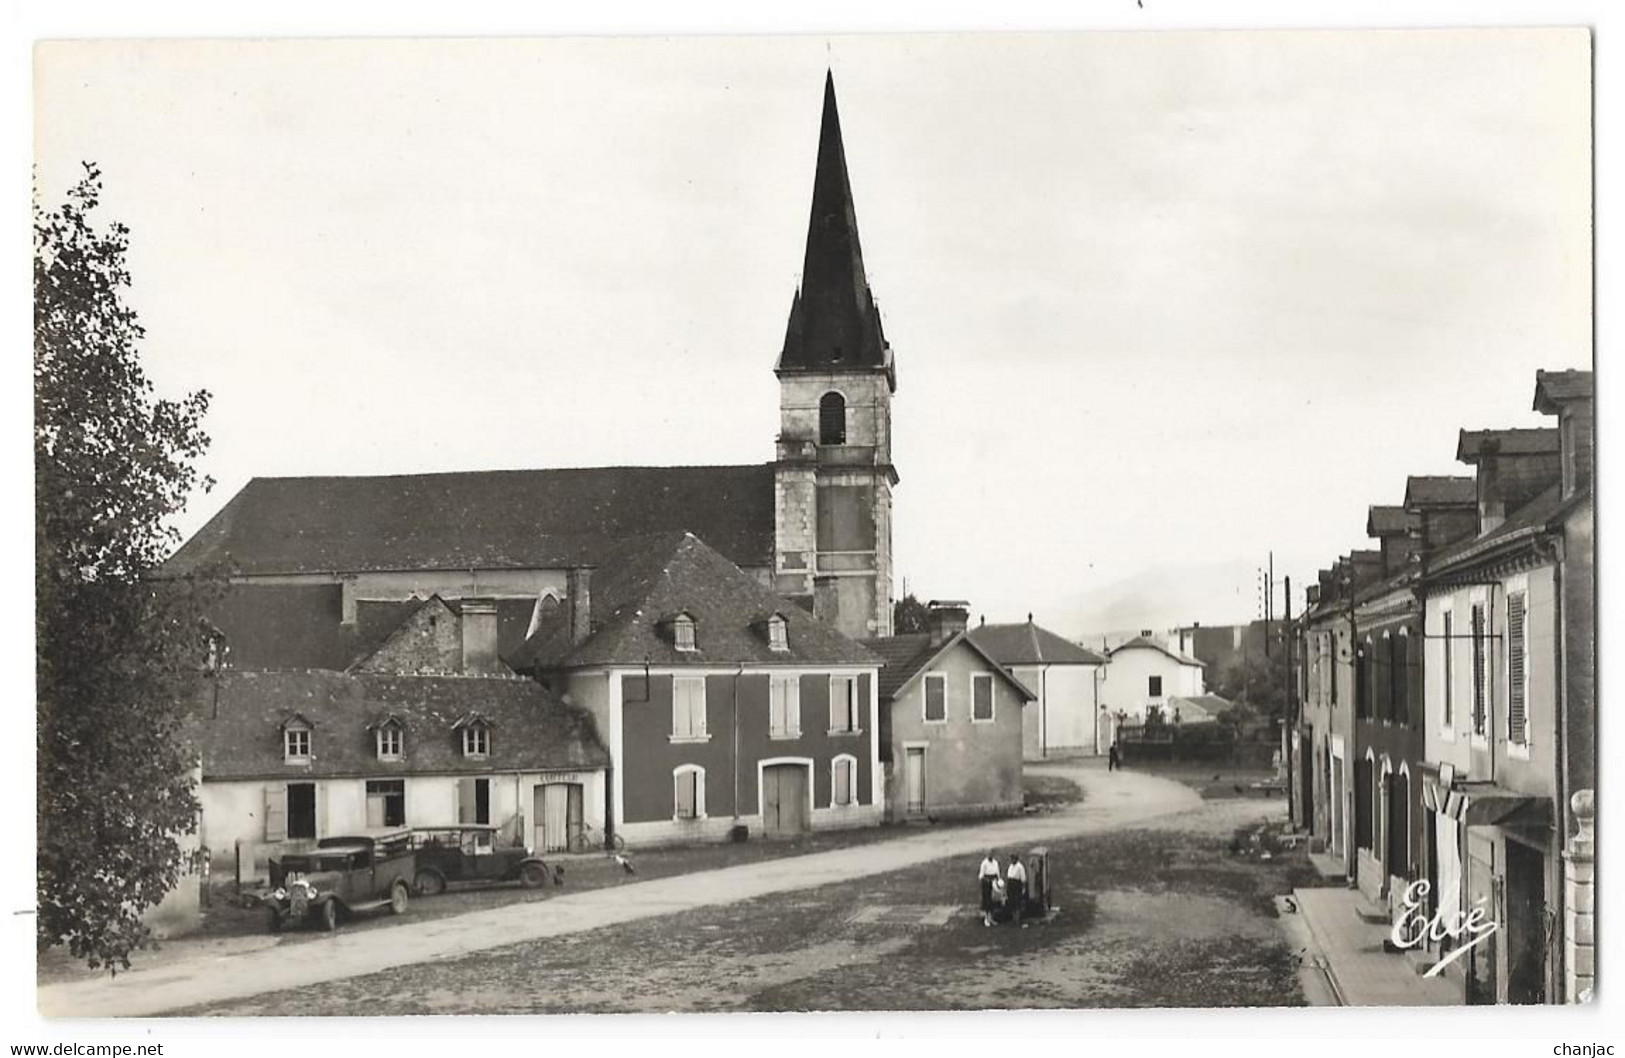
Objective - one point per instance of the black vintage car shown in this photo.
(472, 853)
(341, 876)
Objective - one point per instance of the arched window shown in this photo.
(832, 419)
(688, 791)
(843, 781)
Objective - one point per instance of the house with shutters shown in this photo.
(951, 721)
(1509, 625)
(1066, 717)
(726, 709)
(291, 756)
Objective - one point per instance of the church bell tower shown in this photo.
(833, 474)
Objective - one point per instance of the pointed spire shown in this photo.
(834, 323)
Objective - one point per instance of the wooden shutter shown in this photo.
(843, 782)
(276, 811)
(936, 703)
(776, 693)
(982, 697)
(466, 801)
(1517, 716)
(1479, 707)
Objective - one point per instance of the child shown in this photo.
(988, 876)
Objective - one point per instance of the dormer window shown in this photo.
(682, 630)
(391, 740)
(296, 741)
(778, 633)
(476, 741)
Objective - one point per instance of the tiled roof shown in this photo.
(1440, 491)
(1554, 387)
(646, 581)
(499, 519)
(1386, 521)
(1147, 642)
(1030, 644)
(1537, 512)
(903, 657)
(1541, 440)
(241, 732)
(1198, 708)
(300, 626)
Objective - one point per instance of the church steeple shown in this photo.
(834, 323)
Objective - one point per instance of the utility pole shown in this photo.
(1269, 605)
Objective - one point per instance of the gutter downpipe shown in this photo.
(739, 675)
(1561, 807)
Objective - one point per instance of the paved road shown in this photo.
(1113, 800)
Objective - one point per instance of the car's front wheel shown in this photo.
(533, 875)
(430, 883)
(397, 899)
(328, 915)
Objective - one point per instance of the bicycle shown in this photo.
(588, 839)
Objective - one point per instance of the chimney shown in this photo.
(1446, 510)
(947, 618)
(1569, 396)
(1514, 466)
(1394, 528)
(479, 621)
(578, 597)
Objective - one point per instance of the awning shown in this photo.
(1482, 804)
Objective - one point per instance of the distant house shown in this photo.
(1066, 716)
(724, 706)
(1144, 674)
(952, 722)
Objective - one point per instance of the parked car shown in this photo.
(342, 876)
(472, 853)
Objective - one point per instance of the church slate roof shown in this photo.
(834, 321)
(1030, 644)
(300, 627)
(240, 730)
(497, 519)
(645, 582)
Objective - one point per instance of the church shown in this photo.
(813, 526)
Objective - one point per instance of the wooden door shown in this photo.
(555, 817)
(784, 800)
(914, 773)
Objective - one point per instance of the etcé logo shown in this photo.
(1414, 928)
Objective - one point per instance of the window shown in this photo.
(832, 419)
(688, 792)
(843, 705)
(1517, 691)
(296, 744)
(981, 697)
(1398, 679)
(386, 802)
(936, 697)
(778, 637)
(1153, 686)
(688, 707)
(1362, 681)
(784, 706)
(476, 740)
(1480, 704)
(683, 632)
(1449, 671)
(843, 778)
(301, 810)
(391, 741)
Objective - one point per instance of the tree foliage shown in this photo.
(1259, 681)
(910, 615)
(118, 653)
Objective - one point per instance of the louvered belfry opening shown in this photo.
(832, 419)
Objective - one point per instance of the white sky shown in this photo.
(1159, 302)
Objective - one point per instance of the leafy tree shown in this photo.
(910, 615)
(118, 653)
(1258, 681)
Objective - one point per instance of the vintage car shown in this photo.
(472, 853)
(341, 876)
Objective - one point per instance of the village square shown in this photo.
(649, 737)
